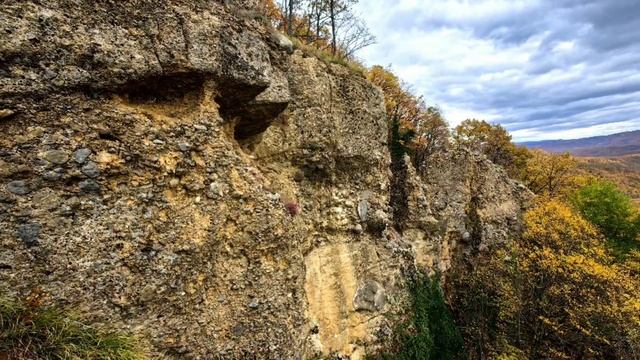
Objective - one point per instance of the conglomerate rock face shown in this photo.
(169, 169)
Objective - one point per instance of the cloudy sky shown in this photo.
(544, 69)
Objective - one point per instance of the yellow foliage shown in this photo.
(549, 174)
(557, 293)
(492, 140)
(555, 225)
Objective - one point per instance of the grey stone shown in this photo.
(370, 296)
(81, 155)
(254, 304)
(238, 330)
(52, 176)
(282, 41)
(148, 293)
(30, 233)
(66, 210)
(91, 169)
(58, 157)
(18, 187)
(184, 147)
(89, 186)
(363, 209)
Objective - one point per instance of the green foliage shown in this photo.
(612, 212)
(414, 128)
(29, 330)
(431, 334)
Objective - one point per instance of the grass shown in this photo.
(29, 330)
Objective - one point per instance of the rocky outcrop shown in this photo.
(461, 205)
(169, 168)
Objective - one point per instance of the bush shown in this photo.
(555, 293)
(29, 330)
(431, 333)
(612, 212)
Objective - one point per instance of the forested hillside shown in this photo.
(609, 145)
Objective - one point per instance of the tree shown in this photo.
(329, 25)
(545, 173)
(612, 211)
(422, 130)
(353, 36)
(553, 294)
(492, 140)
(432, 135)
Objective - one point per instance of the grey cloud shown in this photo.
(598, 40)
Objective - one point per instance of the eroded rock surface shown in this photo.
(170, 169)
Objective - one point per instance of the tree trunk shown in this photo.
(290, 17)
(332, 10)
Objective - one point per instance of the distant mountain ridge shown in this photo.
(624, 143)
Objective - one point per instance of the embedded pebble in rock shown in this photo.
(254, 304)
(18, 187)
(89, 186)
(370, 296)
(184, 147)
(81, 155)
(363, 210)
(52, 176)
(57, 157)
(5, 113)
(29, 233)
(91, 169)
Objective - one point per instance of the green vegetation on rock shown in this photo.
(612, 212)
(431, 333)
(30, 330)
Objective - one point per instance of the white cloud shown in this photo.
(535, 66)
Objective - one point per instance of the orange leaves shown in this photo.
(425, 126)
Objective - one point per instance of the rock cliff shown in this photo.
(175, 170)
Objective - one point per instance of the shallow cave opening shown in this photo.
(247, 117)
(255, 120)
(163, 89)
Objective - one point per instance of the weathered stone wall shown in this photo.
(172, 169)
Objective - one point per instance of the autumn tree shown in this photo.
(422, 129)
(554, 294)
(492, 140)
(545, 173)
(414, 130)
(329, 25)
